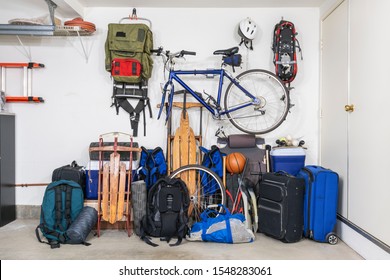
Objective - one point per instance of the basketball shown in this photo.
(235, 163)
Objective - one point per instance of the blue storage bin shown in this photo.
(91, 184)
(288, 159)
(92, 179)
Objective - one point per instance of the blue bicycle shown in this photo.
(255, 102)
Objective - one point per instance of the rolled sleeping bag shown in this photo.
(242, 141)
(79, 230)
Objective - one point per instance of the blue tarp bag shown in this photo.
(221, 227)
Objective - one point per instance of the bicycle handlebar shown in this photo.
(169, 58)
(183, 52)
(169, 55)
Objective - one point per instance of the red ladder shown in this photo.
(27, 81)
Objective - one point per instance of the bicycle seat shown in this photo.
(227, 52)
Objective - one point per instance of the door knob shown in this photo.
(349, 108)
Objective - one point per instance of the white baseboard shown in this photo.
(361, 244)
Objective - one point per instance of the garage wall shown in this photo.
(77, 89)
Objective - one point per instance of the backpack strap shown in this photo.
(134, 113)
(147, 220)
(53, 243)
(183, 218)
(58, 208)
(68, 203)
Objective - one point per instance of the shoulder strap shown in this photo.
(143, 236)
(68, 203)
(53, 243)
(134, 113)
(58, 208)
(183, 216)
(146, 220)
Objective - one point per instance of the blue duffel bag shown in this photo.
(221, 227)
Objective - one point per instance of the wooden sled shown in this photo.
(114, 192)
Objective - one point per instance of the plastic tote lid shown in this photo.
(288, 151)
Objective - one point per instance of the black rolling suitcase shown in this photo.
(72, 172)
(280, 206)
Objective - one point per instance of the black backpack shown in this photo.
(166, 211)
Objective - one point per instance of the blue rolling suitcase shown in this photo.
(320, 203)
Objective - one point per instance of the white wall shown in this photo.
(77, 93)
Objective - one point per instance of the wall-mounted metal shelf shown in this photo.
(45, 30)
(42, 30)
(33, 30)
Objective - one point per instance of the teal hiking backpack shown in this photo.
(152, 165)
(62, 203)
(212, 159)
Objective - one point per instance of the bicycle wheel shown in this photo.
(205, 188)
(271, 108)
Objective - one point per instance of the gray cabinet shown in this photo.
(7, 168)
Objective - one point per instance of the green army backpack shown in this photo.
(128, 52)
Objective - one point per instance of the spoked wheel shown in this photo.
(205, 188)
(269, 109)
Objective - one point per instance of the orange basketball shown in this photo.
(235, 163)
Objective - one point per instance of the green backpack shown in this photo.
(128, 52)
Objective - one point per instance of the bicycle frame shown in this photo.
(215, 111)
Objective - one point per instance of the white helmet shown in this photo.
(247, 29)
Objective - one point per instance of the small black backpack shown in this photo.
(166, 211)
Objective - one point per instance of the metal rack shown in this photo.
(45, 30)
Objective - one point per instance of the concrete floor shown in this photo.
(18, 242)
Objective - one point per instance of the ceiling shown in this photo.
(77, 6)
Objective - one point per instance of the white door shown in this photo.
(334, 95)
(369, 148)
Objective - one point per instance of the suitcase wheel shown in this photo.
(332, 238)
